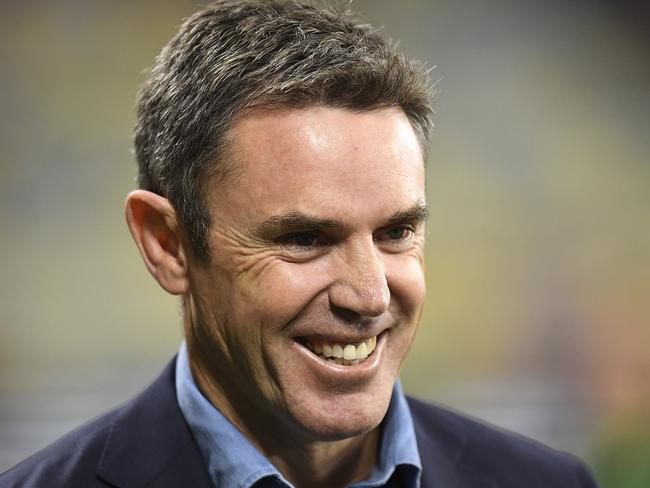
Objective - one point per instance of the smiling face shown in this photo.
(317, 252)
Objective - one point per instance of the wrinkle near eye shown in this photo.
(244, 253)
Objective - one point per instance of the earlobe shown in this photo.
(155, 230)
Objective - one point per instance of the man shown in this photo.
(281, 167)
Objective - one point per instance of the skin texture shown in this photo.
(320, 235)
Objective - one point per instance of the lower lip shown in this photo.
(332, 371)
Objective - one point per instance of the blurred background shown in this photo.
(538, 316)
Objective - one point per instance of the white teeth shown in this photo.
(348, 354)
(371, 344)
(362, 351)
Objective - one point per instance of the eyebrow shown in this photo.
(416, 213)
(294, 222)
(298, 222)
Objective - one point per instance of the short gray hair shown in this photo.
(233, 56)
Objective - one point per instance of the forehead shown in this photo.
(322, 160)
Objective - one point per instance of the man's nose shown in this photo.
(361, 286)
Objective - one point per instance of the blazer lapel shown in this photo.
(441, 451)
(150, 444)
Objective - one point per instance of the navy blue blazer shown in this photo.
(146, 442)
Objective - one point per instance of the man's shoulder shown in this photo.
(143, 442)
(472, 448)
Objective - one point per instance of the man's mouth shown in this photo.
(346, 354)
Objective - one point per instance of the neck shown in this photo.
(329, 464)
(303, 460)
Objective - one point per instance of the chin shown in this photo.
(341, 416)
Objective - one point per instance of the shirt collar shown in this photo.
(223, 446)
(398, 447)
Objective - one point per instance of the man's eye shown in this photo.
(396, 239)
(399, 233)
(301, 240)
(396, 234)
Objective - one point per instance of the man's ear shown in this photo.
(155, 229)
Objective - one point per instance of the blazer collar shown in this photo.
(150, 444)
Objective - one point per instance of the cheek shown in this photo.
(281, 292)
(405, 276)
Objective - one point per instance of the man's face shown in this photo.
(317, 250)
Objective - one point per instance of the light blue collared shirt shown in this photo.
(233, 461)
